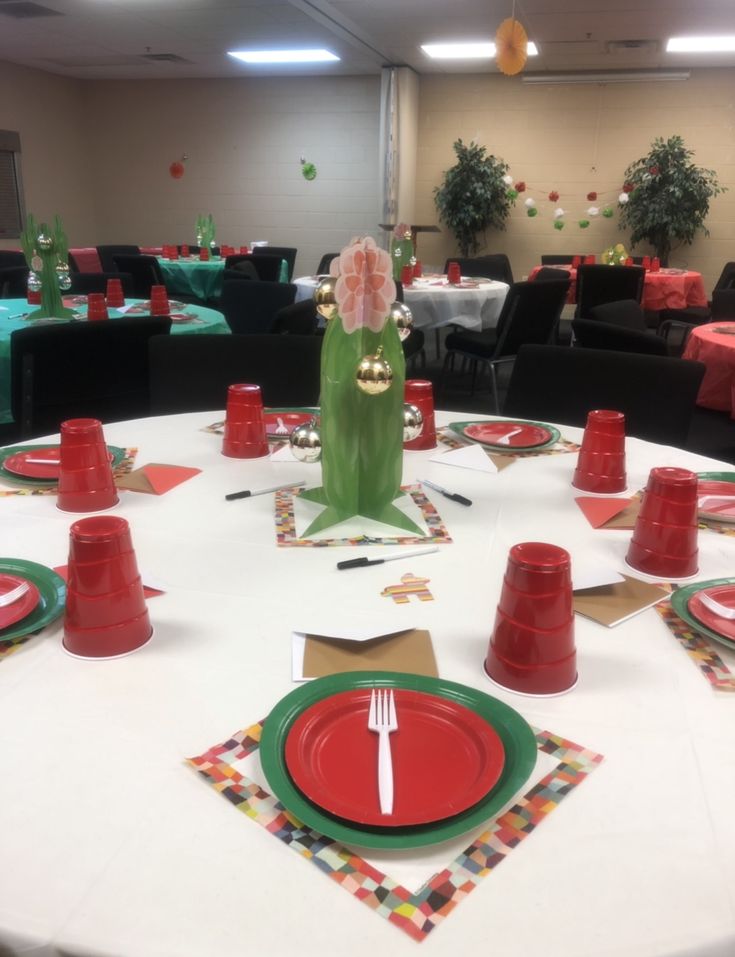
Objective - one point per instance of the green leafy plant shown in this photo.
(670, 198)
(474, 196)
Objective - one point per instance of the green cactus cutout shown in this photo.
(401, 253)
(51, 247)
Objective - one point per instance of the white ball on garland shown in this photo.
(530, 202)
(558, 212)
(508, 179)
(623, 198)
(593, 211)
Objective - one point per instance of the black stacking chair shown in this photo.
(107, 252)
(557, 259)
(548, 272)
(625, 313)
(192, 373)
(240, 266)
(82, 283)
(10, 258)
(299, 318)
(145, 270)
(530, 313)
(81, 369)
(265, 268)
(13, 282)
(557, 384)
(598, 284)
(283, 252)
(324, 263)
(495, 266)
(593, 334)
(251, 307)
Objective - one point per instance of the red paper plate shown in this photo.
(528, 435)
(445, 758)
(23, 606)
(290, 421)
(723, 510)
(18, 464)
(725, 595)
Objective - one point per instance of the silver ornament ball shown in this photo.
(64, 281)
(403, 318)
(34, 282)
(306, 442)
(413, 422)
(44, 241)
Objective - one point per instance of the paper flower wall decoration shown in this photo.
(176, 170)
(308, 170)
(584, 223)
(530, 201)
(608, 212)
(520, 187)
(593, 211)
(508, 179)
(511, 44)
(512, 194)
(532, 211)
(553, 196)
(628, 187)
(558, 212)
(559, 224)
(591, 197)
(623, 199)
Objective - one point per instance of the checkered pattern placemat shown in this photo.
(417, 914)
(286, 525)
(699, 648)
(122, 468)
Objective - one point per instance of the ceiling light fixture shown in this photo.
(283, 56)
(700, 45)
(466, 51)
(640, 76)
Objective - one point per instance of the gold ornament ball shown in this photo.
(403, 318)
(413, 422)
(306, 442)
(44, 242)
(374, 375)
(326, 303)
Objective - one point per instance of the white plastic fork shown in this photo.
(505, 439)
(12, 596)
(717, 607)
(383, 720)
(280, 427)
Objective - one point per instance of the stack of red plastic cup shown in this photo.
(664, 541)
(159, 301)
(86, 483)
(646, 262)
(419, 392)
(576, 262)
(33, 297)
(532, 649)
(601, 461)
(245, 435)
(106, 614)
(115, 296)
(655, 264)
(418, 270)
(406, 275)
(454, 273)
(589, 260)
(184, 250)
(244, 251)
(96, 306)
(629, 261)
(173, 252)
(204, 254)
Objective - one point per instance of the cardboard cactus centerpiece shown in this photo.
(362, 376)
(47, 254)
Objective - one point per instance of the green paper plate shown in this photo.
(459, 427)
(681, 596)
(118, 455)
(716, 476)
(515, 733)
(53, 593)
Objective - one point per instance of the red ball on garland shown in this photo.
(520, 187)
(176, 170)
(592, 197)
(653, 170)
(628, 187)
(553, 196)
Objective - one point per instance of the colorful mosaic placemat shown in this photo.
(122, 468)
(286, 525)
(417, 914)
(8, 647)
(561, 448)
(699, 649)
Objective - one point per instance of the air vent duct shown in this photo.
(164, 58)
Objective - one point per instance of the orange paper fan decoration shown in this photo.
(511, 43)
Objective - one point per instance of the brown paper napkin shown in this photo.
(410, 651)
(612, 604)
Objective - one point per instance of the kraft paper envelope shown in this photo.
(612, 604)
(409, 651)
(155, 478)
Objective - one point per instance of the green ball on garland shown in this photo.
(558, 224)
(512, 194)
(308, 171)
(531, 211)
(607, 212)
(584, 223)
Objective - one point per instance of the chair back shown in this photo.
(283, 252)
(13, 282)
(106, 253)
(81, 369)
(324, 263)
(723, 305)
(251, 307)
(597, 284)
(591, 334)
(82, 283)
(558, 259)
(530, 313)
(300, 319)
(144, 270)
(84, 259)
(548, 272)
(495, 266)
(560, 384)
(240, 266)
(625, 313)
(12, 257)
(727, 277)
(192, 373)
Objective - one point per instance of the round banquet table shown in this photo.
(714, 344)
(475, 304)
(665, 289)
(113, 845)
(193, 277)
(188, 320)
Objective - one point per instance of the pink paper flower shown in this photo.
(364, 289)
(402, 231)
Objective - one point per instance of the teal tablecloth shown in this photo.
(192, 277)
(196, 319)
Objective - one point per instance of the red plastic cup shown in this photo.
(454, 273)
(173, 252)
(532, 649)
(646, 262)
(418, 270)
(601, 460)
(204, 254)
(629, 261)
(245, 436)
(406, 275)
(589, 260)
(664, 541)
(96, 306)
(33, 297)
(576, 262)
(419, 392)
(86, 482)
(244, 251)
(105, 614)
(184, 249)
(655, 264)
(115, 296)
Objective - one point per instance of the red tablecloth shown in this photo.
(661, 290)
(717, 350)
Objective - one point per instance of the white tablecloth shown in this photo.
(434, 306)
(111, 845)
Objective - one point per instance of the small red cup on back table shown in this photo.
(115, 295)
(454, 274)
(419, 392)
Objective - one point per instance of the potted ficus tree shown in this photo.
(666, 198)
(474, 196)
